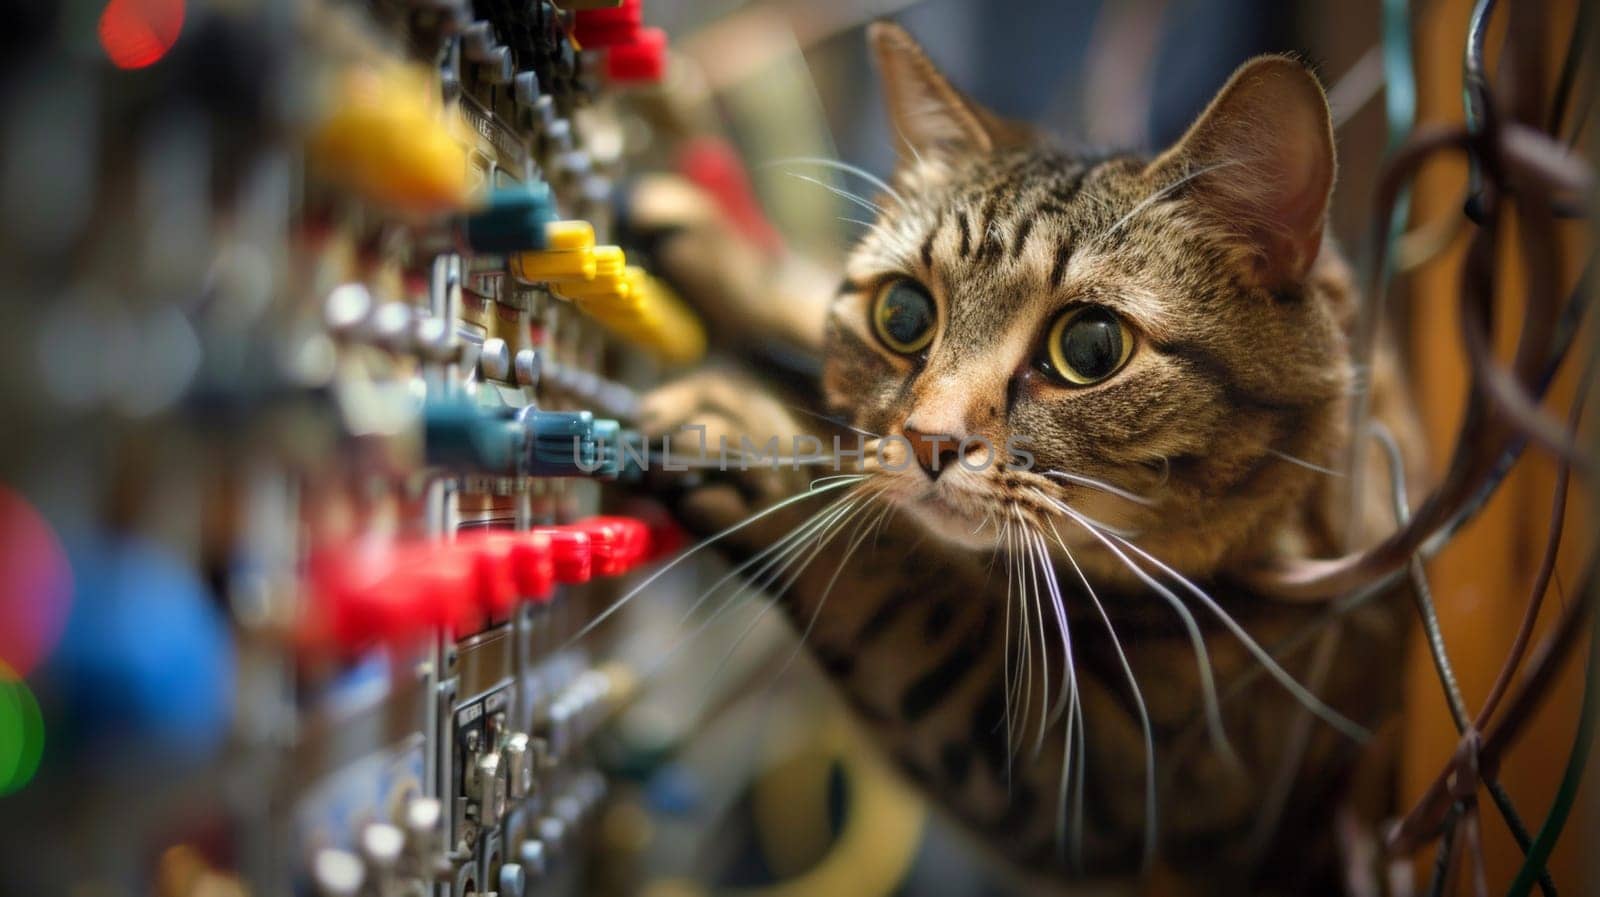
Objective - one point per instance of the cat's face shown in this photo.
(1151, 333)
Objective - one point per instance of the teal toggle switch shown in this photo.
(560, 443)
(464, 436)
(513, 220)
(608, 448)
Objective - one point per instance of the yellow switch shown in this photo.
(609, 261)
(622, 298)
(675, 332)
(644, 311)
(568, 256)
(564, 236)
(384, 135)
(598, 289)
(609, 286)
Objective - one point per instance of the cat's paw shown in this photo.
(750, 289)
(736, 440)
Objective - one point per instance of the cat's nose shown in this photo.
(935, 452)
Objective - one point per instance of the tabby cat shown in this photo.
(1048, 648)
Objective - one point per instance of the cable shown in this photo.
(1446, 852)
(1569, 70)
(1475, 100)
(1567, 793)
(1400, 113)
(1423, 596)
(1419, 583)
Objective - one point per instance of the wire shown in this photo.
(1475, 99)
(1400, 114)
(1419, 583)
(1445, 853)
(1533, 865)
(1423, 596)
(1569, 70)
(1399, 72)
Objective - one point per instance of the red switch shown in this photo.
(597, 28)
(619, 543)
(667, 538)
(642, 60)
(570, 552)
(493, 571)
(361, 596)
(605, 545)
(447, 581)
(535, 566)
(640, 541)
(524, 557)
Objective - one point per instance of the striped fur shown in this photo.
(1241, 311)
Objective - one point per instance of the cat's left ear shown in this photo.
(934, 121)
(1262, 159)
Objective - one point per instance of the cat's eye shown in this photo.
(903, 316)
(1086, 345)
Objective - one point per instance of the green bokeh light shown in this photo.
(21, 733)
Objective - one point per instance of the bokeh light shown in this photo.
(35, 585)
(145, 660)
(21, 732)
(137, 33)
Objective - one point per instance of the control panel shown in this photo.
(345, 356)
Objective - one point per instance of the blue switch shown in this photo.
(463, 436)
(513, 219)
(608, 448)
(560, 443)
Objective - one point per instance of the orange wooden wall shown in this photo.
(1481, 580)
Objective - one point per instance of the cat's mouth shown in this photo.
(960, 516)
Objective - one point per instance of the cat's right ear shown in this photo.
(1262, 161)
(932, 120)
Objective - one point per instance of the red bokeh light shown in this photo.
(137, 33)
(35, 585)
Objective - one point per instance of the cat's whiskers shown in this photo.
(832, 419)
(816, 543)
(1300, 693)
(864, 528)
(786, 546)
(780, 547)
(1024, 690)
(1151, 825)
(1001, 550)
(840, 192)
(1025, 633)
(1208, 687)
(1102, 525)
(887, 235)
(816, 487)
(846, 167)
(1072, 758)
(1166, 191)
(722, 461)
(1031, 573)
(1041, 558)
(1102, 485)
(854, 477)
(899, 241)
(1309, 465)
(1310, 701)
(916, 154)
(1039, 616)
